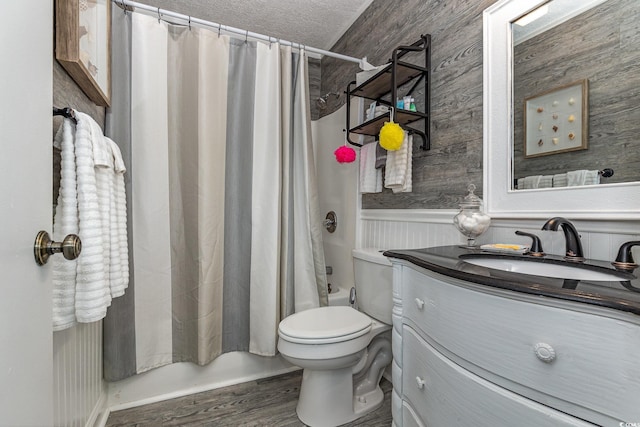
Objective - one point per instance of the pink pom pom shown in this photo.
(345, 154)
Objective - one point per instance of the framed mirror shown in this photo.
(508, 83)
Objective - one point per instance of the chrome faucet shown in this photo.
(624, 260)
(572, 238)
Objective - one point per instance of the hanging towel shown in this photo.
(92, 204)
(560, 180)
(381, 156)
(92, 295)
(370, 177)
(65, 222)
(546, 181)
(119, 265)
(399, 168)
(592, 177)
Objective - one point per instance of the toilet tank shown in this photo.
(374, 283)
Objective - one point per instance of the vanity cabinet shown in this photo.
(471, 354)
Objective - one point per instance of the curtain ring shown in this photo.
(219, 29)
(246, 37)
(159, 15)
(189, 22)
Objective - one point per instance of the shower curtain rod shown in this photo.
(191, 20)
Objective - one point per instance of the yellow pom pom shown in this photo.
(391, 136)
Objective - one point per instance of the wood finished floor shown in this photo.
(267, 402)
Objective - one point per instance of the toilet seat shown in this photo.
(325, 325)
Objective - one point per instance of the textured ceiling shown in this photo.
(316, 23)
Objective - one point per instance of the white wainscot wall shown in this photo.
(418, 228)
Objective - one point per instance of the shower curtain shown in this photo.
(226, 230)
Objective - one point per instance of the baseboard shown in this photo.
(100, 412)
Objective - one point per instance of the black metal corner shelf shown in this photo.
(386, 83)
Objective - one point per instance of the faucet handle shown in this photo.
(624, 260)
(536, 245)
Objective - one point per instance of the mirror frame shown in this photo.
(610, 201)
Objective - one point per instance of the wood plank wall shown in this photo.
(441, 175)
(600, 45)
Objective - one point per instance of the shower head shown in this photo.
(322, 101)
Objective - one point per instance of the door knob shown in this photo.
(71, 246)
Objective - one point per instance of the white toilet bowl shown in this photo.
(330, 344)
(343, 351)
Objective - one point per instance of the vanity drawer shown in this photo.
(591, 367)
(444, 394)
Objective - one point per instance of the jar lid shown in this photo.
(471, 200)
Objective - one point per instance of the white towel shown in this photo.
(370, 177)
(546, 181)
(65, 222)
(92, 204)
(592, 177)
(399, 167)
(576, 177)
(560, 180)
(92, 294)
(119, 266)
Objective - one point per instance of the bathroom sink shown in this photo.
(548, 269)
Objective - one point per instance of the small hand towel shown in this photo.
(560, 180)
(370, 177)
(399, 169)
(381, 156)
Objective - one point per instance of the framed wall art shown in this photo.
(556, 121)
(83, 45)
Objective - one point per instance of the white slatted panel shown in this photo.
(79, 390)
(406, 229)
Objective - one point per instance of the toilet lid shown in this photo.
(326, 324)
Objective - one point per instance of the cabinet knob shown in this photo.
(419, 303)
(420, 382)
(544, 352)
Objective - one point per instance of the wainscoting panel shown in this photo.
(79, 391)
(414, 228)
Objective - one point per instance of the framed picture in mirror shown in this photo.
(555, 121)
(83, 46)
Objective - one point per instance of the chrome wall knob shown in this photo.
(70, 247)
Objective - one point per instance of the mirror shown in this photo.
(562, 47)
(618, 200)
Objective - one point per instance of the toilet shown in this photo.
(343, 350)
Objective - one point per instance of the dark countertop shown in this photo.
(449, 261)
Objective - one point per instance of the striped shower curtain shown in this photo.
(226, 231)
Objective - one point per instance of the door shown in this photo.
(26, 359)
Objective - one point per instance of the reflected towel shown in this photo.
(398, 169)
(592, 177)
(529, 182)
(370, 177)
(560, 180)
(546, 181)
